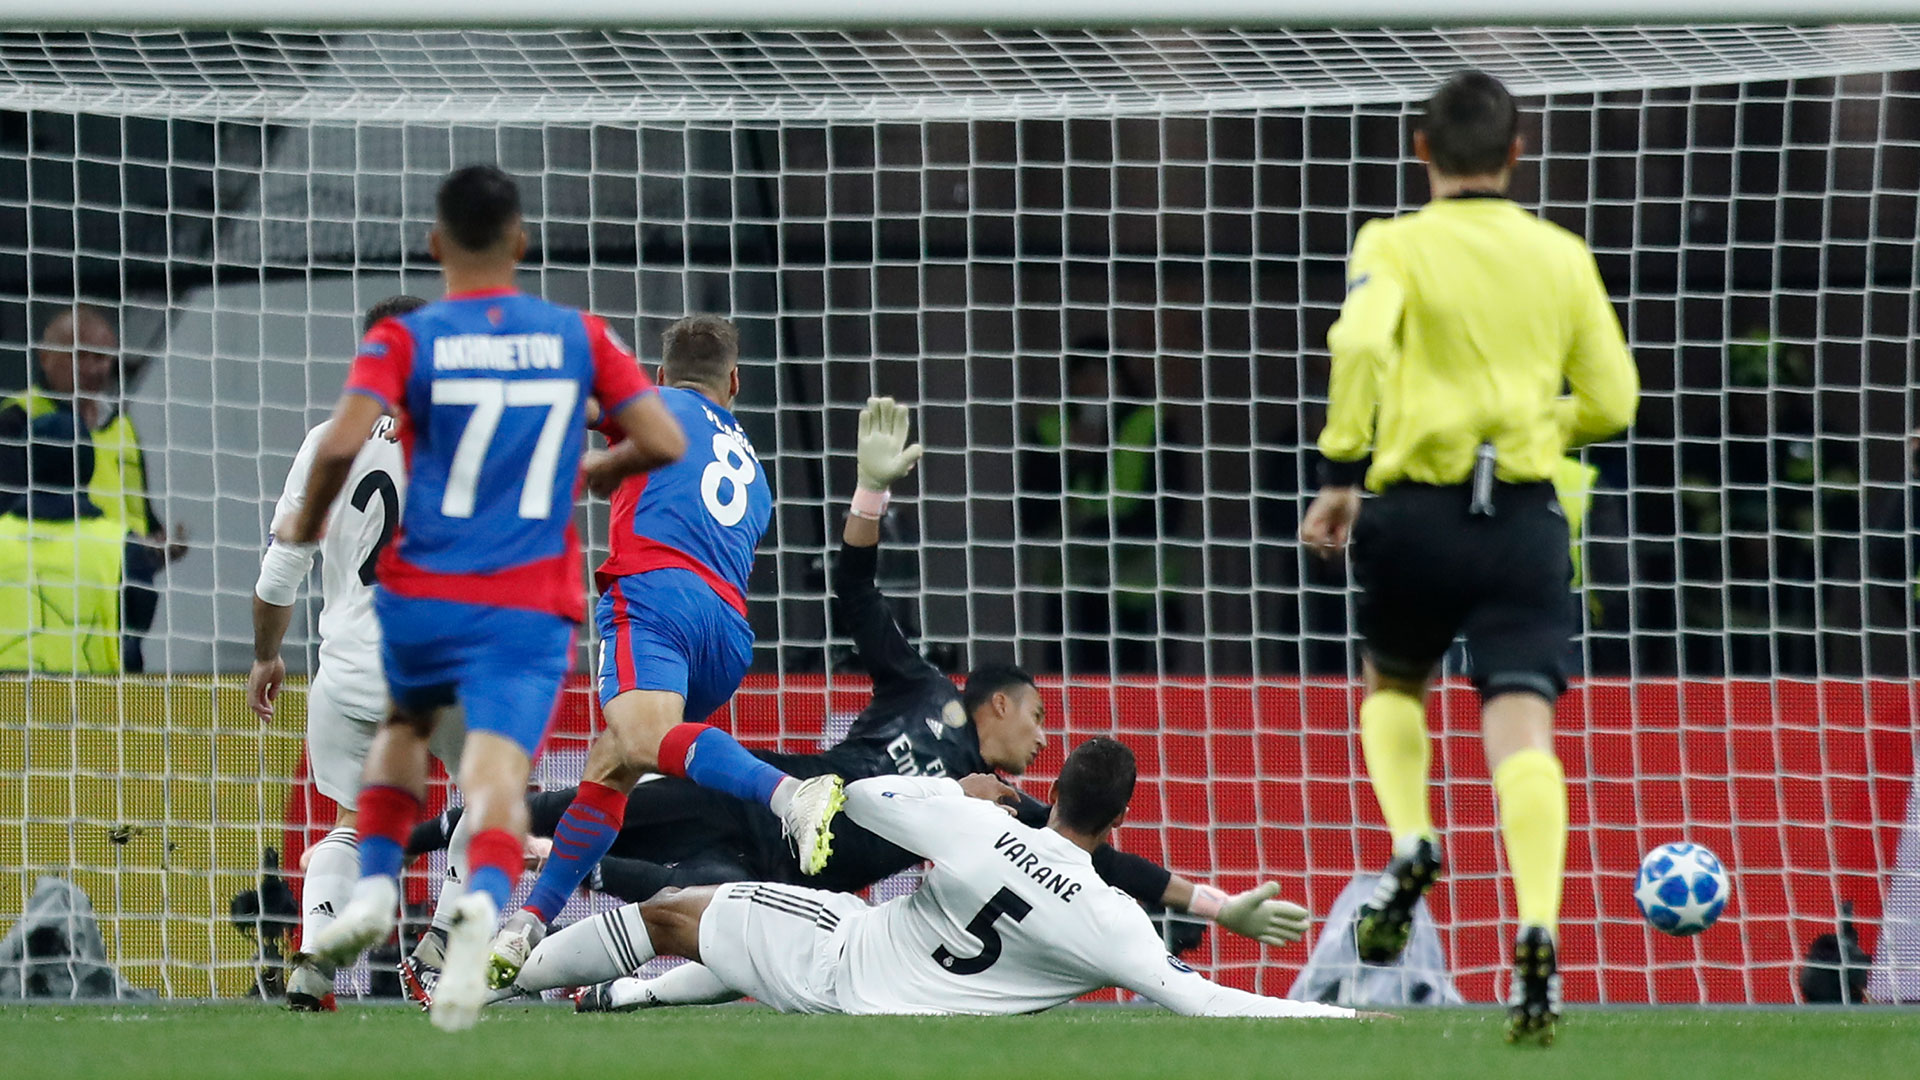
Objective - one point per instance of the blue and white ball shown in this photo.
(1682, 888)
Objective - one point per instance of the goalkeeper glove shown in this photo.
(1253, 914)
(884, 455)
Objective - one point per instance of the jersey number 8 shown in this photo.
(730, 462)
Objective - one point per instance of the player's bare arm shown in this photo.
(991, 788)
(269, 672)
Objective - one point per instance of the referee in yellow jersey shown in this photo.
(1476, 346)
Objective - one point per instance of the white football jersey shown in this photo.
(363, 518)
(1010, 919)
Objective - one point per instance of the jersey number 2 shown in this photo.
(1005, 902)
(490, 398)
(730, 462)
(377, 483)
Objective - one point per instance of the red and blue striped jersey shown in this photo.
(705, 513)
(491, 387)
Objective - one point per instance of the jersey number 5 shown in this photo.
(730, 462)
(1005, 902)
(490, 398)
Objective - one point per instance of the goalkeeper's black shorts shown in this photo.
(1429, 571)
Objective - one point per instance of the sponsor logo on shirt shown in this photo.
(900, 752)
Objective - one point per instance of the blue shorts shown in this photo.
(504, 666)
(667, 630)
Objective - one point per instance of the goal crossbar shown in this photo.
(853, 14)
(588, 76)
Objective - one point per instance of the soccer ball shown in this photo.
(1681, 889)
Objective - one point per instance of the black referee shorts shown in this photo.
(1428, 571)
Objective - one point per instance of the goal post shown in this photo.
(1099, 262)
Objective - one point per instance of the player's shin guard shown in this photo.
(607, 946)
(584, 834)
(332, 866)
(387, 814)
(1393, 733)
(1532, 791)
(494, 858)
(714, 759)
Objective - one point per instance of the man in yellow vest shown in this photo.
(1094, 475)
(60, 562)
(76, 369)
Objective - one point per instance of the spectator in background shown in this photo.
(1759, 494)
(1093, 471)
(77, 372)
(60, 561)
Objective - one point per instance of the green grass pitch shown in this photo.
(221, 1041)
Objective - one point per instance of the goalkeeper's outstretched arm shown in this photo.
(884, 458)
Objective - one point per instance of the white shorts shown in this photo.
(778, 944)
(338, 736)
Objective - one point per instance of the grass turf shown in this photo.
(218, 1041)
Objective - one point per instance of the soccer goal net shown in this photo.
(1100, 265)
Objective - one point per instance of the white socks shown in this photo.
(607, 946)
(454, 885)
(333, 866)
(688, 984)
(782, 796)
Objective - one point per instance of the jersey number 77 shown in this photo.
(490, 398)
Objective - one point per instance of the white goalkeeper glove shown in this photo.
(1253, 914)
(884, 455)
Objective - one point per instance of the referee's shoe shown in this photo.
(1533, 1006)
(1383, 924)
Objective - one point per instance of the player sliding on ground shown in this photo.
(1010, 919)
(1462, 324)
(676, 833)
(479, 593)
(348, 696)
(675, 639)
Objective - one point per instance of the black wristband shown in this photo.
(1333, 473)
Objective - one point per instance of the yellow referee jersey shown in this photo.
(1469, 321)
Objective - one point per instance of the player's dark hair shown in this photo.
(476, 205)
(1470, 124)
(700, 349)
(391, 308)
(989, 679)
(1095, 784)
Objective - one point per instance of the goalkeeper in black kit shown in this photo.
(677, 834)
